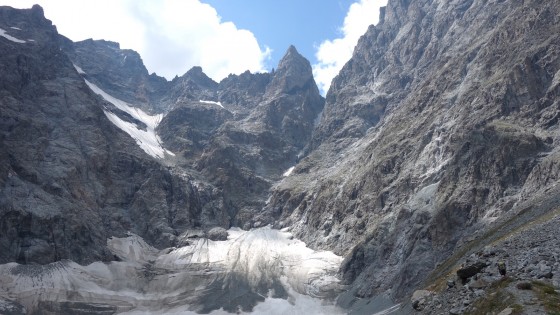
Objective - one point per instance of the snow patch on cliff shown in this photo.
(289, 171)
(10, 38)
(147, 139)
(80, 71)
(212, 102)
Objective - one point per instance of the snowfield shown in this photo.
(258, 271)
(10, 38)
(212, 102)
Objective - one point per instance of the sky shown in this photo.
(221, 36)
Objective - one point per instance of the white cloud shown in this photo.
(333, 54)
(171, 35)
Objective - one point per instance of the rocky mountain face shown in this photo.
(436, 145)
(71, 178)
(444, 121)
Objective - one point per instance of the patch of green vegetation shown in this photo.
(496, 301)
(548, 296)
(504, 126)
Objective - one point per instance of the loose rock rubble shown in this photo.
(531, 256)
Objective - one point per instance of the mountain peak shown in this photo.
(292, 57)
(292, 49)
(197, 75)
(38, 10)
(294, 71)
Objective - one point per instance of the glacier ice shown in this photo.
(258, 271)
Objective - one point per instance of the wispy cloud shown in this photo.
(333, 54)
(171, 35)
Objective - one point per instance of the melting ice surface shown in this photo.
(262, 271)
(147, 139)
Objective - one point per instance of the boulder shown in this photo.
(217, 234)
(468, 271)
(419, 299)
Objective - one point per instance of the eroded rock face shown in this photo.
(442, 121)
(246, 136)
(119, 72)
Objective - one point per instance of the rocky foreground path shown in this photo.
(531, 284)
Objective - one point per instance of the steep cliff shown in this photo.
(444, 120)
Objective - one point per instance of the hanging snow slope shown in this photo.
(147, 139)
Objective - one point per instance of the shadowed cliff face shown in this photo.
(444, 120)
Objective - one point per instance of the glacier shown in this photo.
(259, 271)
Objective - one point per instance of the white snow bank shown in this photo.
(80, 71)
(8, 37)
(212, 102)
(147, 139)
(289, 171)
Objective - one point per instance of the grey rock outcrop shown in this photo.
(217, 234)
(468, 271)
